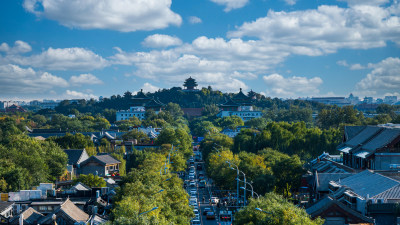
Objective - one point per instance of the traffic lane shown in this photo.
(204, 193)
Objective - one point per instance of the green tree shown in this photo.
(90, 180)
(210, 110)
(277, 211)
(72, 141)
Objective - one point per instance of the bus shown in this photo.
(225, 218)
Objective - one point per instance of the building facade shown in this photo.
(240, 105)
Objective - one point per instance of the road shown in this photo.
(203, 194)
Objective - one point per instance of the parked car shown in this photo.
(195, 222)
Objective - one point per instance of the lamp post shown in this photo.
(237, 181)
(263, 211)
(148, 211)
(252, 192)
(244, 179)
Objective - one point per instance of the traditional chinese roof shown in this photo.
(30, 216)
(229, 103)
(5, 205)
(368, 183)
(240, 96)
(365, 141)
(141, 95)
(328, 204)
(102, 159)
(154, 103)
(69, 209)
(190, 83)
(74, 155)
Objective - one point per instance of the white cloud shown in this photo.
(19, 47)
(292, 86)
(60, 59)
(231, 4)
(147, 87)
(17, 80)
(89, 79)
(215, 62)
(194, 20)
(121, 15)
(342, 63)
(161, 41)
(365, 2)
(384, 78)
(356, 66)
(291, 2)
(326, 29)
(70, 94)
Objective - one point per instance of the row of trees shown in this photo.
(151, 183)
(24, 161)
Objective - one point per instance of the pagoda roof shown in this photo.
(141, 95)
(251, 93)
(190, 82)
(230, 102)
(154, 103)
(240, 95)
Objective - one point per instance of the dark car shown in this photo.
(206, 210)
(210, 216)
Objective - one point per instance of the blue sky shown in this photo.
(56, 49)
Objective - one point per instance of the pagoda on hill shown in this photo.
(190, 84)
(140, 99)
(242, 99)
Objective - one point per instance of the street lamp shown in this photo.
(158, 191)
(244, 178)
(148, 211)
(263, 211)
(252, 191)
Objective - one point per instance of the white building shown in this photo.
(245, 112)
(137, 111)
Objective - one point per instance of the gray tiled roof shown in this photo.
(74, 155)
(393, 193)
(107, 159)
(323, 179)
(363, 136)
(368, 183)
(352, 131)
(5, 205)
(31, 216)
(382, 139)
(327, 202)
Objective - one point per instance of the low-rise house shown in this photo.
(75, 157)
(371, 147)
(66, 213)
(29, 217)
(336, 213)
(6, 211)
(100, 165)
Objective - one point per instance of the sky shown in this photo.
(57, 49)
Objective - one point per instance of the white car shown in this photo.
(214, 200)
(192, 184)
(195, 222)
(196, 213)
(191, 177)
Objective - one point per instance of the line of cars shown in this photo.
(192, 191)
